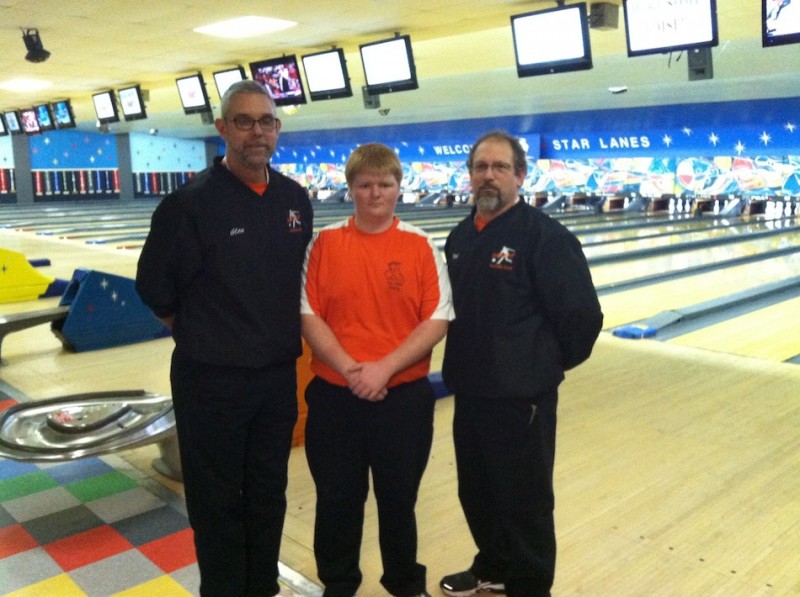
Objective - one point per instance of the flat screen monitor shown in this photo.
(192, 91)
(389, 65)
(30, 123)
(326, 75)
(45, 117)
(780, 22)
(281, 77)
(663, 27)
(62, 114)
(3, 128)
(225, 78)
(13, 124)
(105, 106)
(132, 103)
(554, 40)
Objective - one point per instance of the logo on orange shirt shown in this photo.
(394, 276)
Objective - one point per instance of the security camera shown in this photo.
(154, 132)
(384, 111)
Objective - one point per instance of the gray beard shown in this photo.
(488, 203)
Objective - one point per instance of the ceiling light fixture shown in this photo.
(242, 27)
(25, 85)
(33, 43)
(618, 89)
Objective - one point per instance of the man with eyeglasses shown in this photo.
(526, 311)
(221, 267)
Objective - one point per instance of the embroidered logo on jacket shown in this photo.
(394, 276)
(235, 231)
(295, 225)
(503, 259)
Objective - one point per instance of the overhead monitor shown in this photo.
(29, 121)
(780, 22)
(45, 117)
(3, 128)
(225, 78)
(13, 124)
(281, 77)
(326, 75)
(663, 27)
(132, 103)
(105, 106)
(389, 65)
(62, 114)
(193, 95)
(554, 40)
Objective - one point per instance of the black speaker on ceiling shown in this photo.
(700, 64)
(33, 43)
(371, 102)
(603, 16)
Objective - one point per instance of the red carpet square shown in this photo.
(87, 547)
(15, 539)
(172, 552)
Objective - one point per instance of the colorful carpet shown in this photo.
(94, 527)
(97, 527)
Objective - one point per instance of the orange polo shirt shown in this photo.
(373, 289)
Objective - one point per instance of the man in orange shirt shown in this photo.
(375, 301)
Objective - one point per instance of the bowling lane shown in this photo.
(752, 334)
(614, 273)
(603, 235)
(103, 234)
(630, 226)
(759, 226)
(640, 303)
(43, 219)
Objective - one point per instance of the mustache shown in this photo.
(486, 187)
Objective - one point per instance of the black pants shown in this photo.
(235, 434)
(346, 437)
(505, 452)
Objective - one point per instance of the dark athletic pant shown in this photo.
(346, 438)
(505, 451)
(235, 433)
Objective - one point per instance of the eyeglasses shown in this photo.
(498, 167)
(245, 123)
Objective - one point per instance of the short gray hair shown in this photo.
(519, 153)
(245, 86)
